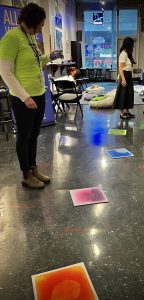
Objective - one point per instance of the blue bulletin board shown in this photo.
(8, 21)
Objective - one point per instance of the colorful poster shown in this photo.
(88, 196)
(118, 153)
(68, 283)
(117, 131)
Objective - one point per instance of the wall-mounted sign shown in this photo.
(8, 17)
(98, 18)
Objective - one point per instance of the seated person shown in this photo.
(72, 73)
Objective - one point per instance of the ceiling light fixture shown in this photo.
(102, 2)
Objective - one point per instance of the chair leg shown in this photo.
(78, 104)
(67, 105)
(53, 106)
(58, 104)
(76, 111)
(63, 106)
(80, 108)
(58, 108)
(57, 113)
(82, 86)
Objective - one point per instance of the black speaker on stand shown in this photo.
(76, 53)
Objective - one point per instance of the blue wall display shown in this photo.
(59, 44)
(58, 20)
(8, 18)
(98, 18)
(49, 117)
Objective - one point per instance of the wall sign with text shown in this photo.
(8, 17)
(98, 18)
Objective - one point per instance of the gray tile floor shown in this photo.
(42, 230)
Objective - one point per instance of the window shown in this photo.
(128, 22)
(100, 39)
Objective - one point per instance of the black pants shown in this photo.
(28, 122)
(124, 98)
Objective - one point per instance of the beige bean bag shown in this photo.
(95, 89)
(111, 93)
(105, 103)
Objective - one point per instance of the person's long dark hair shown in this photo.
(127, 46)
(32, 15)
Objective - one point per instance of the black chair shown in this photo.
(91, 74)
(54, 96)
(5, 110)
(107, 74)
(81, 81)
(55, 101)
(99, 74)
(68, 94)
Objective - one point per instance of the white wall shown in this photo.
(46, 28)
(67, 9)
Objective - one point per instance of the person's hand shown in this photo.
(123, 83)
(56, 54)
(30, 103)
